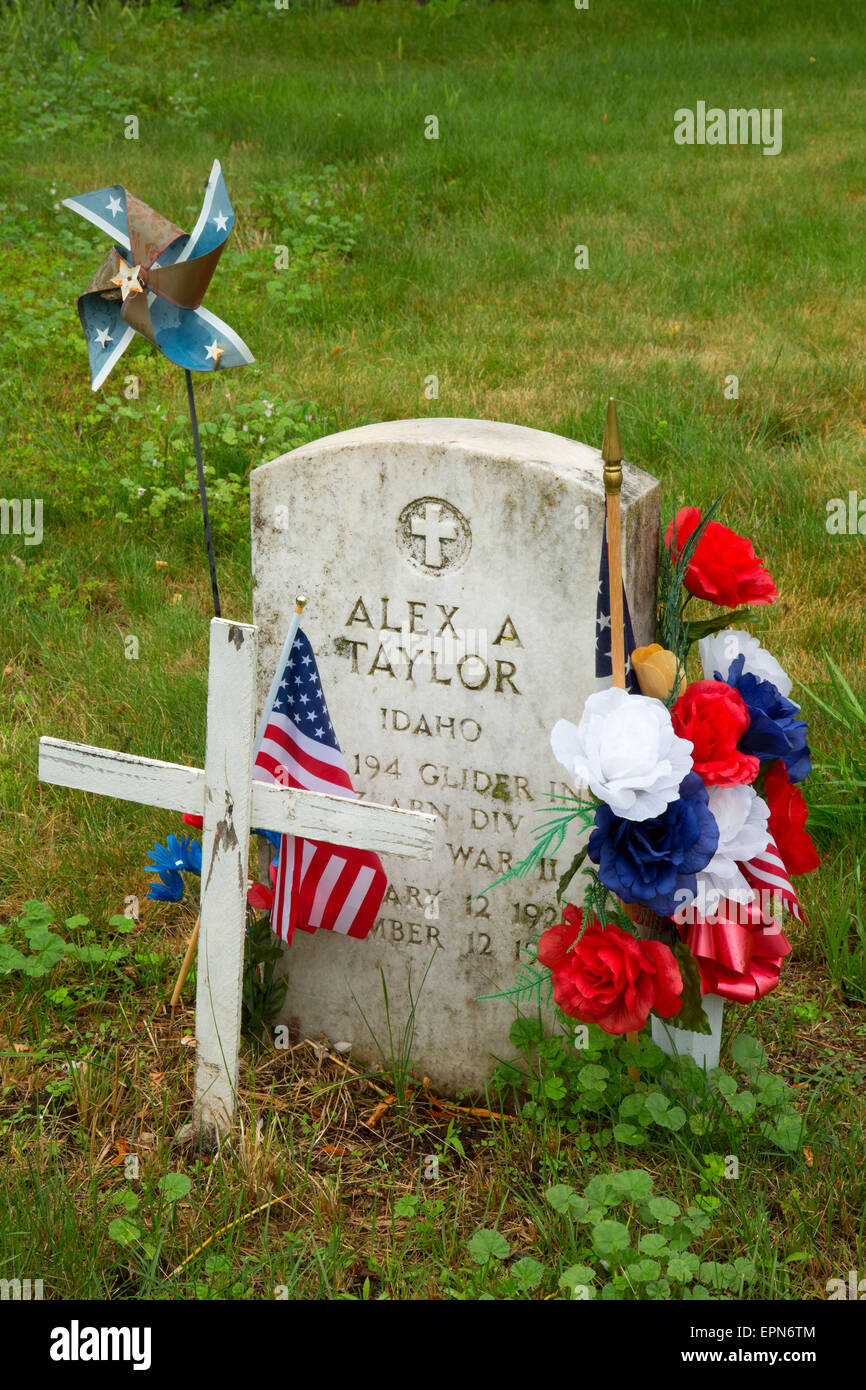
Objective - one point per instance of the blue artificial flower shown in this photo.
(183, 854)
(169, 889)
(651, 861)
(272, 835)
(774, 731)
(176, 856)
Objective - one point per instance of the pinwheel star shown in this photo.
(127, 278)
(163, 275)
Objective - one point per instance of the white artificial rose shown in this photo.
(721, 648)
(625, 750)
(742, 818)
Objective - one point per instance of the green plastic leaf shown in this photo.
(569, 874)
(489, 1245)
(691, 1014)
(610, 1237)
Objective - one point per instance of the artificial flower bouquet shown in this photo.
(698, 823)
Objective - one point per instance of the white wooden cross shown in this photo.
(231, 803)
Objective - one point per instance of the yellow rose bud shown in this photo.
(656, 670)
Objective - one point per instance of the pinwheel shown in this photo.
(159, 290)
(158, 293)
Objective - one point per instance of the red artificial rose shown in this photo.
(608, 977)
(724, 568)
(788, 822)
(714, 717)
(259, 896)
(739, 951)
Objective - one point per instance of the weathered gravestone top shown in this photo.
(452, 568)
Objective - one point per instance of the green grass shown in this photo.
(408, 258)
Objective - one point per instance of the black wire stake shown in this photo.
(202, 494)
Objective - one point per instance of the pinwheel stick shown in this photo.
(203, 494)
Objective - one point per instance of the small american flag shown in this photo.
(767, 871)
(603, 662)
(317, 885)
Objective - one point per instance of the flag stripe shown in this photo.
(768, 870)
(317, 886)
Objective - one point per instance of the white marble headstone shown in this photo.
(452, 574)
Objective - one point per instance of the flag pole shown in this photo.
(611, 452)
(300, 604)
(202, 492)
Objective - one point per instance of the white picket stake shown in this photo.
(228, 765)
(231, 803)
(703, 1047)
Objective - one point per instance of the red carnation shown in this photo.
(608, 977)
(714, 717)
(724, 568)
(788, 822)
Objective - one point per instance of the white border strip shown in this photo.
(100, 222)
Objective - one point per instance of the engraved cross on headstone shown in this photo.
(434, 530)
(231, 803)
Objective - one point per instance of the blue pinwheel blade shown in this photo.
(106, 209)
(196, 339)
(106, 334)
(215, 221)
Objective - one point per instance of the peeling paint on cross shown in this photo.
(224, 793)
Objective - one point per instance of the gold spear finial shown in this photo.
(300, 602)
(611, 450)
